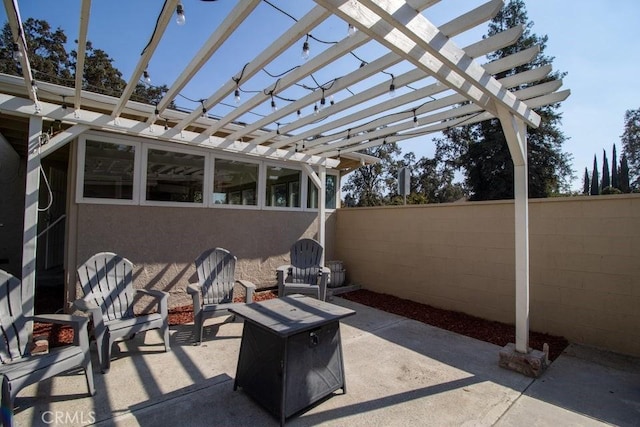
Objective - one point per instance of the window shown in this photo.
(283, 187)
(108, 170)
(331, 186)
(235, 183)
(174, 176)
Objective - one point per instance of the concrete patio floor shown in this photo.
(399, 372)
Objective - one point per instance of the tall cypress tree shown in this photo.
(615, 179)
(624, 175)
(595, 190)
(585, 182)
(606, 178)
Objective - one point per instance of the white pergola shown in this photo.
(447, 76)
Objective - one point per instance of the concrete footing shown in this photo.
(531, 364)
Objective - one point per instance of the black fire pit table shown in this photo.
(291, 353)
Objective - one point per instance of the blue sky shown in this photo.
(594, 41)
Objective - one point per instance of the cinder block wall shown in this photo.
(584, 262)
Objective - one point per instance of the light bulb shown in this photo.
(415, 121)
(180, 19)
(392, 90)
(305, 50)
(322, 102)
(315, 110)
(204, 112)
(237, 96)
(274, 107)
(146, 77)
(17, 54)
(299, 113)
(331, 101)
(351, 30)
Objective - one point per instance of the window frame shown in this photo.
(302, 189)
(338, 191)
(259, 199)
(206, 187)
(121, 140)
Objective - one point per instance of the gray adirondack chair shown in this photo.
(213, 294)
(107, 284)
(304, 275)
(18, 368)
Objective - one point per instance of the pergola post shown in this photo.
(520, 357)
(30, 231)
(319, 181)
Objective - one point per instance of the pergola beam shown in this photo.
(456, 26)
(302, 27)
(166, 13)
(19, 106)
(213, 43)
(402, 29)
(15, 23)
(82, 48)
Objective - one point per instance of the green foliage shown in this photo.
(481, 151)
(585, 182)
(610, 190)
(367, 185)
(631, 145)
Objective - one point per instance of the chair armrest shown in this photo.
(282, 273)
(250, 289)
(78, 323)
(194, 288)
(323, 280)
(91, 308)
(161, 296)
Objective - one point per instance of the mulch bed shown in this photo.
(485, 330)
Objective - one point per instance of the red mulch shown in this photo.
(485, 330)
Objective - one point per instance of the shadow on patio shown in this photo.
(398, 372)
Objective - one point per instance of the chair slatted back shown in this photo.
(107, 280)
(306, 255)
(216, 274)
(13, 342)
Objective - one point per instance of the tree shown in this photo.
(368, 185)
(595, 190)
(50, 62)
(624, 175)
(585, 182)
(606, 178)
(481, 150)
(47, 55)
(615, 178)
(631, 145)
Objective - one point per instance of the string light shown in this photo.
(34, 86)
(315, 109)
(299, 113)
(305, 48)
(415, 119)
(392, 87)
(166, 124)
(146, 77)
(331, 101)
(323, 101)
(236, 95)
(17, 54)
(204, 109)
(180, 18)
(274, 107)
(351, 30)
